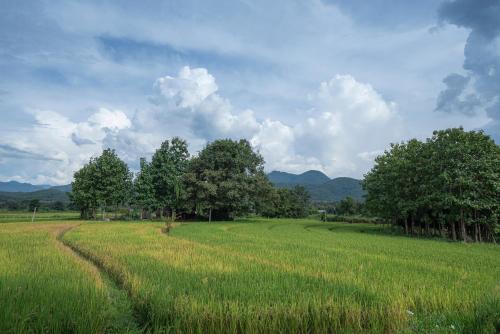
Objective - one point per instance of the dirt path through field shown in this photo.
(121, 312)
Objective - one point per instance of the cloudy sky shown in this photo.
(318, 84)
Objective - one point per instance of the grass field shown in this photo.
(24, 216)
(247, 276)
(46, 288)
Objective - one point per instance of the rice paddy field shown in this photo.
(248, 276)
(25, 216)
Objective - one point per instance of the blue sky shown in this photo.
(312, 84)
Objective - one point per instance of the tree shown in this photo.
(286, 203)
(450, 181)
(144, 194)
(105, 181)
(58, 206)
(222, 179)
(34, 204)
(84, 190)
(168, 166)
(347, 206)
(113, 180)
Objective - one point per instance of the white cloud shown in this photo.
(188, 89)
(346, 120)
(348, 117)
(65, 144)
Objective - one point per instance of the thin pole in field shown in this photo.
(33, 217)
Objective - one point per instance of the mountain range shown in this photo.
(320, 187)
(17, 191)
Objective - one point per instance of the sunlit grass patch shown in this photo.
(44, 287)
(297, 276)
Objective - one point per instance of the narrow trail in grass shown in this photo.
(121, 311)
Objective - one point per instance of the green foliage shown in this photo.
(286, 203)
(451, 181)
(167, 168)
(105, 181)
(223, 179)
(347, 206)
(58, 206)
(144, 192)
(34, 203)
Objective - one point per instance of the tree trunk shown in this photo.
(173, 214)
(480, 237)
(210, 215)
(476, 239)
(406, 225)
(462, 226)
(453, 231)
(412, 226)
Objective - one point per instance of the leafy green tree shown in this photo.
(451, 181)
(168, 166)
(287, 203)
(58, 206)
(144, 194)
(113, 180)
(265, 196)
(223, 178)
(104, 182)
(347, 206)
(34, 203)
(84, 190)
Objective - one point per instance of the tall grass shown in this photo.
(296, 276)
(44, 288)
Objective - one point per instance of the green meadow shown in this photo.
(247, 276)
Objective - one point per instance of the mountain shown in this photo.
(14, 186)
(320, 187)
(45, 195)
(64, 188)
(309, 177)
(18, 187)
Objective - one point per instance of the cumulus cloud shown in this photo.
(479, 88)
(61, 145)
(346, 119)
(349, 117)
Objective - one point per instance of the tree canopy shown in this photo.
(104, 182)
(447, 185)
(223, 178)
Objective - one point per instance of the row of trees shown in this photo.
(448, 185)
(224, 180)
(29, 205)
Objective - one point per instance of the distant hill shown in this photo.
(18, 187)
(64, 188)
(14, 186)
(45, 195)
(13, 191)
(320, 187)
(309, 177)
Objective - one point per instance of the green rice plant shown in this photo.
(44, 287)
(300, 276)
(25, 216)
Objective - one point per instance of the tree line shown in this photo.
(226, 179)
(448, 185)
